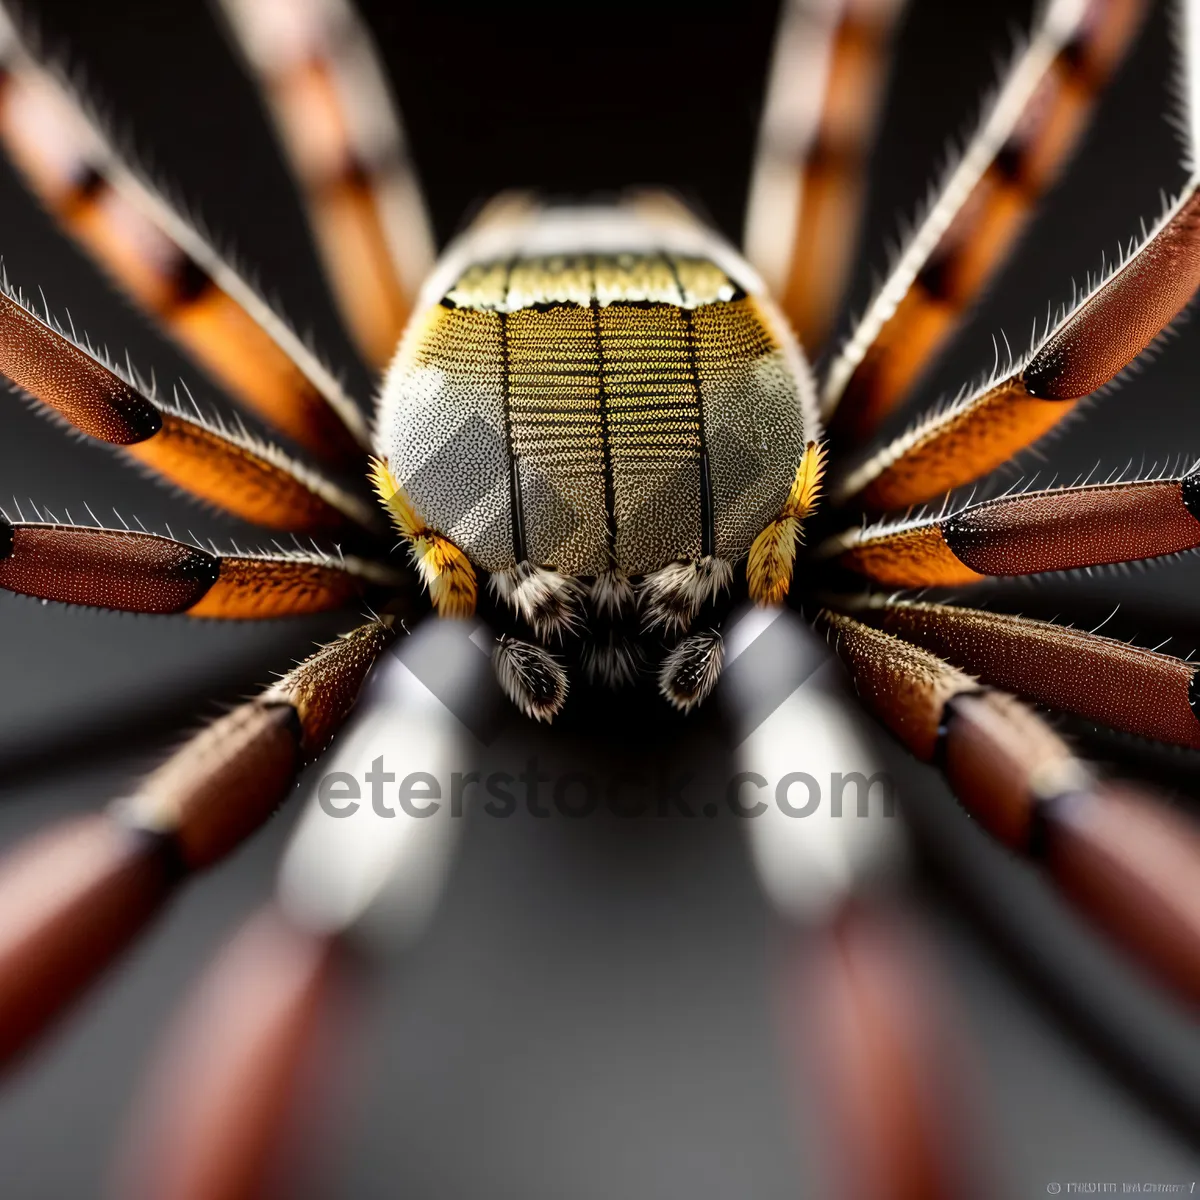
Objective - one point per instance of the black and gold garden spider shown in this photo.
(555, 287)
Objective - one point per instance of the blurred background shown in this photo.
(591, 1013)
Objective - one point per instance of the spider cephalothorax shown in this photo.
(602, 409)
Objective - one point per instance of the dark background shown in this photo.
(591, 1015)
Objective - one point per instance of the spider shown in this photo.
(602, 413)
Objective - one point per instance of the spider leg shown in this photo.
(329, 98)
(1139, 691)
(232, 471)
(1088, 347)
(219, 1109)
(807, 187)
(1114, 852)
(864, 1012)
(884, 1052)
(273, 993)
(78, 894)
(132, 571)
(165, 265)
(1057, 529)
(981, 209)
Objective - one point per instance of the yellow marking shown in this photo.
(806, 487)
(772, 557)
(581, 279)
(481, 286)
(703, 282)
(444, 568)
(773, 554)
(556, 280)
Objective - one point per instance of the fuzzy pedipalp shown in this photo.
(444, 568)
(672, 596)
(531, 677)
(546, 600)
(690, 671)
(773, 554)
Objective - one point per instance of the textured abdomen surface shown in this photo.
(586, 410)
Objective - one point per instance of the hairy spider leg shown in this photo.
(80, 892)
(1085, 349)
(1055, 529)
(165, 265)
(1143, 692)
(1115, 852)
(128, 570)
(982, 207)
(231, 471)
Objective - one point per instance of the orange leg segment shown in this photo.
(984, 207)
(166, 266)
(131, 571)
(1104, 333)
(230, 471)
(817, 129)
(328, 96)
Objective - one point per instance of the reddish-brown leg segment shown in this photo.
(1101, 336)
(1059, 529)
(231, 471)
(165, 265)
(76, 895)
(328, 96)
(818, 124)
(131, 571)
(985, 204)
(223, 1117)
(878, 1049)
(1139, 691)
(1118, 855)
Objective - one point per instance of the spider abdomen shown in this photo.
(589, 388)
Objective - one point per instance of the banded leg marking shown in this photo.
(819, 119)
(1114, 852)
(243, 1071)
(131, 571)
(231, 471)
(982, 208)
(330, 103)
(1086, 349)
